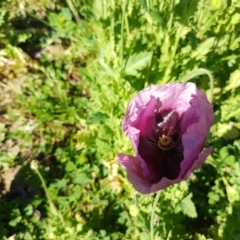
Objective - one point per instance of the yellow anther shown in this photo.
(165, 142)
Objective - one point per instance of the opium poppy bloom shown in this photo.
(167, 126)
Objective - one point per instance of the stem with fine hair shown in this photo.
(198, 72)
(153, 215)
(34, 166)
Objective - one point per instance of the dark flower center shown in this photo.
(162, 148)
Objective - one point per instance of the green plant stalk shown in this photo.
(175, 47)
(153, 215)
(198, 72)
(170, 23)
(170, 65)
(74, 11)
(40, 20)
(149, 4)
(51, 204)
(122, 31)
(127, 27)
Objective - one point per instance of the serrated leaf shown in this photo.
(107, 69)
(187, 206)
(137, 62)
(203, 48)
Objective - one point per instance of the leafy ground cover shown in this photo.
(67, 72)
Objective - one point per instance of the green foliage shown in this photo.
(137, 62)
(68, 71)
(188, 207)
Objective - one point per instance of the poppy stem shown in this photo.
(153, 215)
(53, 209)
(201, 71)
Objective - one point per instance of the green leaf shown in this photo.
(66, 13)
(156, 17)
(188, 207)
(15, 221)
(70, 166)
(97, 9)
(203, 48)
(235, 18)
(224, 153)
(133, 210)
(80, 178)
(216, 4)
(98, 117)
(137, 62)
(28, 210)
(107, 69)
(234, 80)
(213, 198)
(59, 184)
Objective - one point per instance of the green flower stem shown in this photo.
(53, 209)
(198, 72)
(153, 215)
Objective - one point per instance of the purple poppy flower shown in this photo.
(167, 126)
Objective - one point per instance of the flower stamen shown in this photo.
(165, 142)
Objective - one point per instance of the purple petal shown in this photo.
(134, 172)
(181, 111)
(202, 157)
